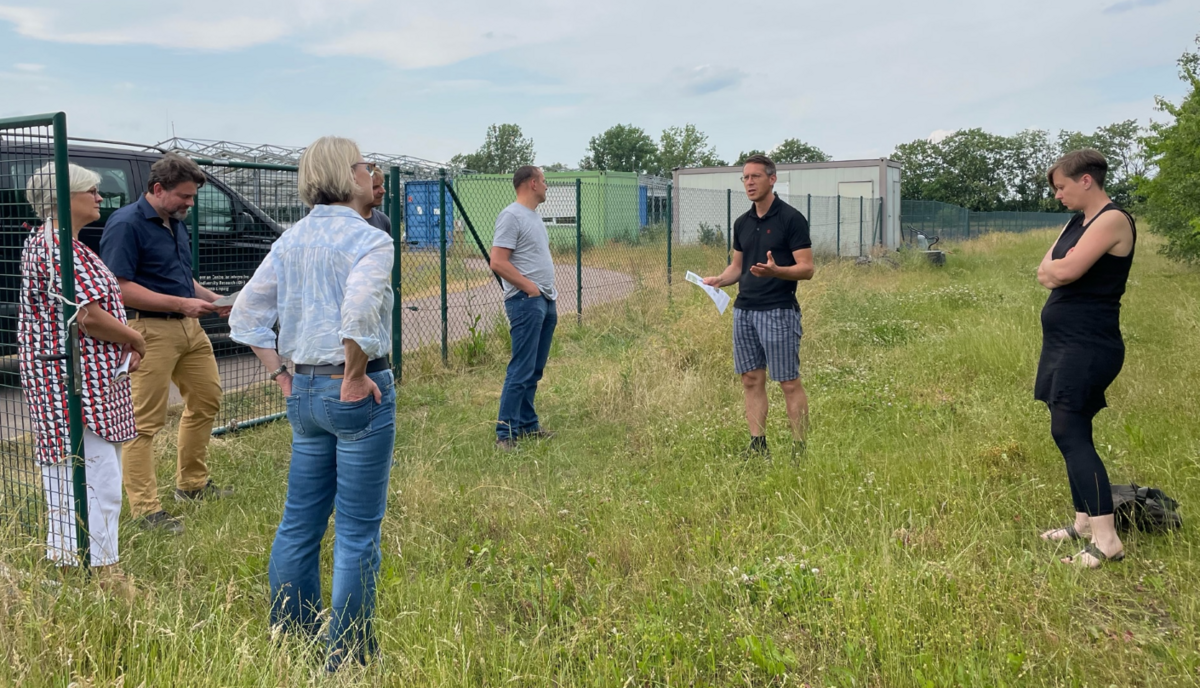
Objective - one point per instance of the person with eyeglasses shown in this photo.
(327, 284)
(105, 342)
(772, 251)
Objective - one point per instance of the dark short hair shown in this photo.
(763, 160)
(523, 174)
(173, 170)
(1078, 163)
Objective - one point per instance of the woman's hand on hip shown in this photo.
(355, 388)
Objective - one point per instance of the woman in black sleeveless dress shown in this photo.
(1082, 351)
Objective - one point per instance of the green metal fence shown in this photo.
(954, 223)
(27, 145)
(238, 215)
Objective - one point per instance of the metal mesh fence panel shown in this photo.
(838, 226)
(38, 352)
(954, 223)
(238, 215)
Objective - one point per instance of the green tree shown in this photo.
(556, 167)
(742, 157)
(685, 146)
(621, 148)
(1122, 145)
(1172, 204)
(795, 150)
(790, 151)
(504, 150)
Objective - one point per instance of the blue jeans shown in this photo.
(341, 458)
(531, 322)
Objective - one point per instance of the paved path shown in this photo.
(421, 325)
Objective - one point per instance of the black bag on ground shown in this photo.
(1148, 509)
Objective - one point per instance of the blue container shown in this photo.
(644, 205)
(422, 221)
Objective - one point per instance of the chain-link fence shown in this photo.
(40, 407)
(238, 214)
(955, 223)
(838, 225)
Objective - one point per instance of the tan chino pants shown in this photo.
(178, 351)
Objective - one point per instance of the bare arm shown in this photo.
(136, 296)
(271, 360)
(802, 270)
(731, 275)
(97, 323)
(1108, 233)
(502, 265)
(356, 384)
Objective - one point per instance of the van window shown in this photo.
(214, 210)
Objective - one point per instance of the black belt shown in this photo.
(378, 365)
(133, 313)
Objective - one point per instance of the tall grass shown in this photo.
(639, 548)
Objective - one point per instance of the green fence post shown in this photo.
(397, 292)
(442, 250)
(839, 226)
(578, 252)
(66, 261)
(967, 214)
(196, 238)
(860, 224)
(670, 223)
(728, 226)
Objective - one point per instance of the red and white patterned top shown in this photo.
(107, 406)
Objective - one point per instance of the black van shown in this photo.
(234, 235)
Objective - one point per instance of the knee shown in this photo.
(792, 386)
(754, 380)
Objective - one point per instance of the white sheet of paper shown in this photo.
(720, 298)
(226, 300)
(122, 370)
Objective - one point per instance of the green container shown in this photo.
(609, 205)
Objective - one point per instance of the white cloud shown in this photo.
(939, 135)
(28, 68)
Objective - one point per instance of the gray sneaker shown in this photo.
(209, 491)
(506, 445)
(161, 520)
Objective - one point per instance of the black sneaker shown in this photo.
(756, 451)
(209, 491)
(161, 520)
(799, 449)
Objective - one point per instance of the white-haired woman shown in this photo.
(104, 343)
(327, 283)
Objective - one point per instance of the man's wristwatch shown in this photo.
(279, 371)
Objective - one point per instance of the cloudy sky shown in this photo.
(426, 79)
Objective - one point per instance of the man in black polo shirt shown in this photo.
(147, 246)
(771, 252)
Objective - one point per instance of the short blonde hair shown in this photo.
(326, 171)
(40, 191)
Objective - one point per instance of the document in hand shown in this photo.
(226, 300)
(720, 298)
(122, 370)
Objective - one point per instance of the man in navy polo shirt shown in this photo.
(771, 252)
(147, 246)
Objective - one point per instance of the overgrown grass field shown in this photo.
(638, 548)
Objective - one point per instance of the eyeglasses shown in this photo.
(371, 167)
(753, 177)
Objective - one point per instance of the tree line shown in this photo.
(1152, 170)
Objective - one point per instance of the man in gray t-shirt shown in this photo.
(377, 219)
(521, 257)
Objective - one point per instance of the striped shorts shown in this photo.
(767, 339)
